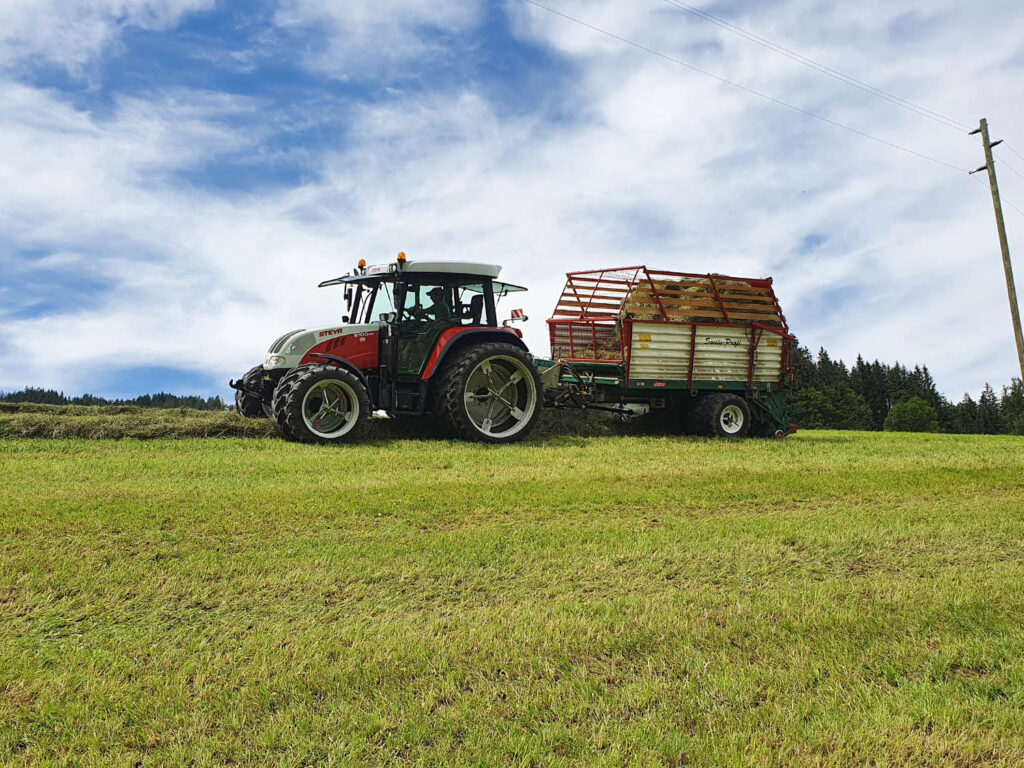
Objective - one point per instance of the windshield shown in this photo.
(367, 301)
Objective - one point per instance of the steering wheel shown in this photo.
(418, 312)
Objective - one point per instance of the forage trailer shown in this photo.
(712, 354)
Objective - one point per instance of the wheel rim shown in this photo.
(330, 408)
(731, 419)
(501, 396)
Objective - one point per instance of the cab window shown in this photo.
(382, 304)
(471, 304)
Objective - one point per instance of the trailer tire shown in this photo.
(722, 415)
(769, 431)
(304, 410)
(490, 393)
(247, 404)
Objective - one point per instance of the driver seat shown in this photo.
(474, 309)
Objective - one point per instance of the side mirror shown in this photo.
(344, 318)
(518, 316)
(388, 317)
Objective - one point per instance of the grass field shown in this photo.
(828, 599)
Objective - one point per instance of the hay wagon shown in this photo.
(712, 352)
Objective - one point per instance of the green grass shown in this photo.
(829, 599)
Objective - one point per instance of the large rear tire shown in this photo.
(247, 404)
(722, 415)
(321, 404)
(490, 393)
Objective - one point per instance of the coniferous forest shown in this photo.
(875, 395)
(159, 400)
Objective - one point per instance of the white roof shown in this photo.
(461, 267)
(454, 267)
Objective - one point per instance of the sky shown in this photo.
(176, 176)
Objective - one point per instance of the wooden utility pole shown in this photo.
(1003, 244)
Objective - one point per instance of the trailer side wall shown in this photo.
(720, 354)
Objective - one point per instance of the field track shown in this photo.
(829, 599)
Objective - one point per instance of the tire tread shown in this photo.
(448, 397)
(288, 407)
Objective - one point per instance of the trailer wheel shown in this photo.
(490, 393)
(721, 415)
(766, 430)
(321, 404)
(247, 404)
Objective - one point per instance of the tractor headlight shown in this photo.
(273, 361)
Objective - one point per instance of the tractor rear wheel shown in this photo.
(722, 415)
(490, 393)
(321, 404)
(247, 404)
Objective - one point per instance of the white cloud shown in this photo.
(366, 37)
(650, 164)
(70, 33)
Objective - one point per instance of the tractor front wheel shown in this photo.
(490, 393)
(246, 403)
(321, 404)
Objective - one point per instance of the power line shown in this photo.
(751, 91)
(1009, 147)
(1001, 196)
(1018, 210)
(1010, 166)
(1007, 164)
(824, 69)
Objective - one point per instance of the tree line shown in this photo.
(827, 395)
(159, 400)
(877, 396)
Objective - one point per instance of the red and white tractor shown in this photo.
(419, 337)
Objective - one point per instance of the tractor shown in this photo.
(703, 354)
(418, 338)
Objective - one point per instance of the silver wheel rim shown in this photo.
(501, 396)
(731, 419)
(330, 409)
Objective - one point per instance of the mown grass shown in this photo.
(829, 599)
(117, 422)
(101, 422)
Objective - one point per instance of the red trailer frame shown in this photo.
(600, 306)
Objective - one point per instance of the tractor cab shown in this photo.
(419, 305)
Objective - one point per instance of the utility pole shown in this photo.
(1007, 267)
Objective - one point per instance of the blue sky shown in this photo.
(177, 175)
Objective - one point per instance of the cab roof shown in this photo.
(457, 267)
(469, 268)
